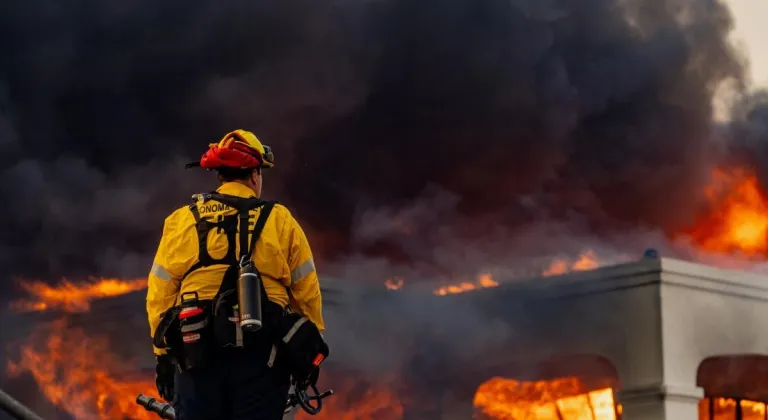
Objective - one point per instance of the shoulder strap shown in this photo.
(244, 228)
(201, 226)
(195, 212)
(266, 209)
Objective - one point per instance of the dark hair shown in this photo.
(235, 174)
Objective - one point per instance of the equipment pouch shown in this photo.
(195, 326)
(302, 346)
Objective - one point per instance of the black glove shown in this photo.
(164, 372)
(308, 380)
(313, 377)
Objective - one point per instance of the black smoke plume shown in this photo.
(519, 109)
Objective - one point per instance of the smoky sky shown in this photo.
(517, 110)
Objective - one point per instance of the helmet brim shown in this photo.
(189, 165)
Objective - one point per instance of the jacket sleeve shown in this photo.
(164, 280)
(305, 286)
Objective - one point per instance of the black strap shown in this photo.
(244, 228)
(259, 226)
(201, 244)
(195, 213)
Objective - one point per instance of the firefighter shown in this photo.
(229, 375)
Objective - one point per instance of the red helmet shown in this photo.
(238, 149)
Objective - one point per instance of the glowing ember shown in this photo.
(738, 221)
(77, 373)
(395, 283)
(73, 297)
(558, 399)
(483, 281)
(586, 261)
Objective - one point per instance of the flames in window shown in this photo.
(558, 399)
(736, 387)
(718, 408)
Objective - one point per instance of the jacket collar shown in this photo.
(235, 188)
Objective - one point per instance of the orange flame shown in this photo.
(395, 283)
(586, 261)
(565, 398)
(73, 372)
(738, 221)
(71, 297)
(484, 281)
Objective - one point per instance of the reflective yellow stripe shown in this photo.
(301, 271)
(160, 272)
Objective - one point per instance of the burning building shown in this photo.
(650, 339)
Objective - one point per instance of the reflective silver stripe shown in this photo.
(238, 331)
(160, 272)
(238, 336)
(272, 356)
(195, 326)
(305, 268)
(293, 329)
